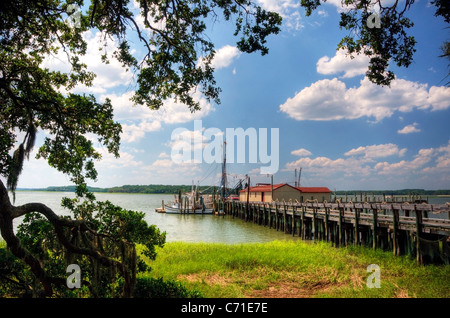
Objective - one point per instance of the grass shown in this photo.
(295, 269)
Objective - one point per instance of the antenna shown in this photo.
(295, 179)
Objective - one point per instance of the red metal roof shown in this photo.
(314, 189)
(265, 188)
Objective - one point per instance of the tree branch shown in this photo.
(8, 213)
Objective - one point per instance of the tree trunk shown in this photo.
(13, 243)
(8, 213)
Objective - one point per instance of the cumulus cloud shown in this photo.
(376, 151)
(280, 6)
(225, 56)
(163, 155)
(301, 152)
(134, 132)
(325, 167)
(108, 76)
(287, 9)
(423, 157)
(332, 100)
(137, 120)
(113, 81)
(171, 168)
(409, 129)
(370, 163)
(125, 160)
(342, 62)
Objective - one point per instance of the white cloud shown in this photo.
(108, 76)
(188, 139)
(343, 62)
(323, 100)
(283, 7)
(133, 132)
(363, 163)
(322, 13)
(331, 100)
(409, 129)
(173, 112)
(225, 56)
(137, 120)
(423, 157)
(287, 9)
(163, 163)
(376, 151)
(442, 162)
(324, 166)
(301, 152)
(439, 97)
(109, 161)
(341, 6)
(169, 168)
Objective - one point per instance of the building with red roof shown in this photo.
(265, 192)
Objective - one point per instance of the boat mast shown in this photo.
(223, 181)
(299, 176)
(295, 178)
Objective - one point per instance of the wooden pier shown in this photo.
(403, 228)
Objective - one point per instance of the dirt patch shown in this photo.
(356, 279)
(289, 286)
(210, 279)
(402, 294)
(291, 290)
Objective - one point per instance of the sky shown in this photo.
(306, 104)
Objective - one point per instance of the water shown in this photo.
(179, 227)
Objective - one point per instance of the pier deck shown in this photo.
(404, 228)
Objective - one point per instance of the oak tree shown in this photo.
(98, 235)
(379, 29)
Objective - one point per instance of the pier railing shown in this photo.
(418, 230)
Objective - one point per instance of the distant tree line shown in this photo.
(152, 188)
(158, 189)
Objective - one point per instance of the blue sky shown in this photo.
(344, 132)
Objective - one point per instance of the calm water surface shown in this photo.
(187, 228)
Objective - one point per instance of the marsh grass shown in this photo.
(295, 269)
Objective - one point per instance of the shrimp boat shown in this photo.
(194, 202)
(190, 203)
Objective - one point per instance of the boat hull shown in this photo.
(176, 210)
